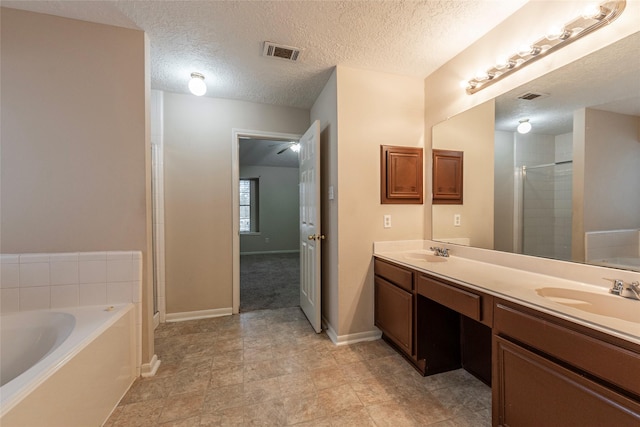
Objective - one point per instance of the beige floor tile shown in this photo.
(373, 391)
(338, 399)
(140, 414)
(352, 418)
(298, 384)
(301, 409)
(232, 417)
(254, 371)
(233, 374)
(261, 391)
(217, 399)
(327, 377)
(181, 407)
(188, 422)
(148, 389)
(391, 415)
(271, 413)
(270, 368)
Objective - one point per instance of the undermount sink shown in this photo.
(424, 256)
(603, 304)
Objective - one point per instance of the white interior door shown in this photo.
(310, 234)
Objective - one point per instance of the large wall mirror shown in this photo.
(568, 189)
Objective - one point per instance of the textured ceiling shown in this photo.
(223, 39)
(608, 79)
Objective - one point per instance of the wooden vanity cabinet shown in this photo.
(395, 308)
(548, 371)
(455, 327)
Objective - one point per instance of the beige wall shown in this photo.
(606, 174)
(325, 109)
(503, 184)
(198, 210)
(73, 135)
(373, 109)
(443, 95)
(471, 132)
(75, 167)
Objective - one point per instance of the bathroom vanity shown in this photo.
(548, 352)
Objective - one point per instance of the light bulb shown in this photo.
(502, 62)
(295, 147)
(482, 75)
(593, 11)
(557, 32)
(197, 86)
(525, 50)
(524, 126)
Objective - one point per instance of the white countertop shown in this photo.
(520, 286)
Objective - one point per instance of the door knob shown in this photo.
(312, 237)
(316, 237)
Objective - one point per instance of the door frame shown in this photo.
(238, 134)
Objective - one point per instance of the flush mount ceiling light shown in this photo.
(593, 17)
(524, 126)
(197, 86)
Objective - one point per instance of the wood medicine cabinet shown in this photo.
(400, 175)
(447, 177)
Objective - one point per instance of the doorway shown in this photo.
(266, 266)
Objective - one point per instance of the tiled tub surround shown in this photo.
(516, 278)
(57, 280)
(615, 248)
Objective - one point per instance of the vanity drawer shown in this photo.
(397, 275)
(615, 364)
(464, 302)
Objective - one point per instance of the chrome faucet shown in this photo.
(443, 252)
(627, 290)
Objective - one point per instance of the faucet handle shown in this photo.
(617, 288)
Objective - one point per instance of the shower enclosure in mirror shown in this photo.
(568, 189)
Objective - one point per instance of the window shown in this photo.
(249, 205)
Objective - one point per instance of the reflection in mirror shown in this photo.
(568, 189)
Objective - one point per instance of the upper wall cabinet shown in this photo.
(400, 175)
(447, 177)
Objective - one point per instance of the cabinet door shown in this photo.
(394, 314)
(447, 177)
(530, 390)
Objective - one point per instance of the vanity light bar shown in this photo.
(591, 20)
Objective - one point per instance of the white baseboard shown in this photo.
(150, 369)
(349, 338)
(199, 314)
(292, 251)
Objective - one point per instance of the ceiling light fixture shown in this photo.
(593, 17)
(524, 126)
(295, 147)
(197, 86)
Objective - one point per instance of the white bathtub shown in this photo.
(65, 367)
(628, 263)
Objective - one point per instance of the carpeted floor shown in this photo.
(269, 281)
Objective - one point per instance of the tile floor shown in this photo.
(269, 368)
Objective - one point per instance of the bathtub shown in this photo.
(65, 367)
(627, 263)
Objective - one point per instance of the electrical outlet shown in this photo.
(387, 221)
(456, 220)
(266, 240)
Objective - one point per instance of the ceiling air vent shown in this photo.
(278, 51)
(529, 96)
